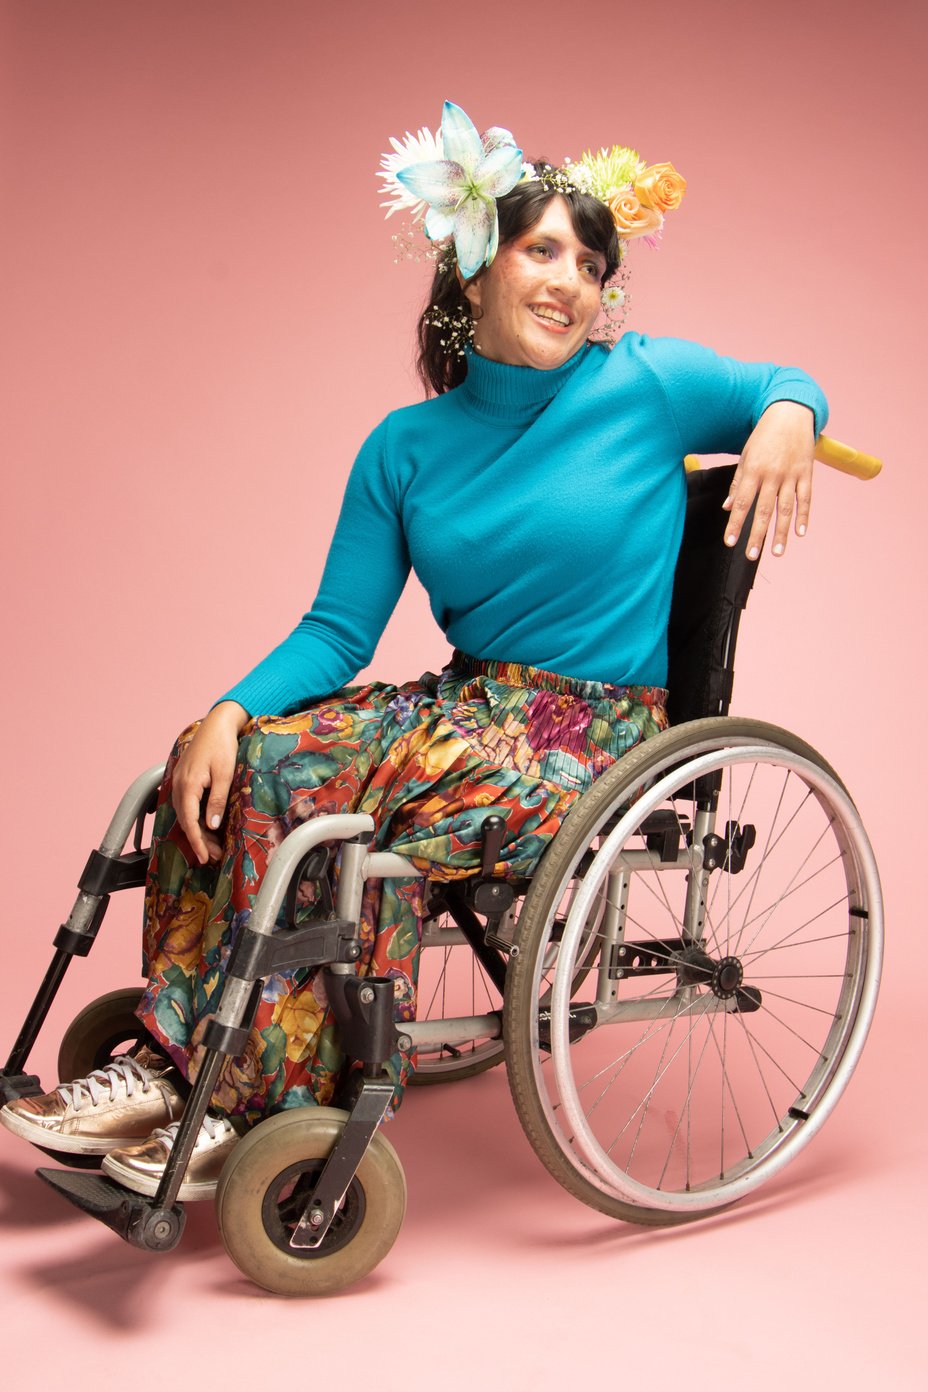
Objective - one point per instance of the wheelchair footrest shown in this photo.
(140, 1221)
(13, 1086)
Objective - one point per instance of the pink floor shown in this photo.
(500, 1276)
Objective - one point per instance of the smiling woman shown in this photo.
(536, 445)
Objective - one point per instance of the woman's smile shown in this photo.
(558, 320)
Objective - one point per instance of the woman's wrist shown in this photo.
(230, 714)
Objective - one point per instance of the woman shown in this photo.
(539, 496)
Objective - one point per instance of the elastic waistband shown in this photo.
(519, 674)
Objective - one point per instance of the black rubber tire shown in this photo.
(303, 1139)
(98, 1031)
(615, 788)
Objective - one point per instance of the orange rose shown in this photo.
(631, 217)
(660, 187)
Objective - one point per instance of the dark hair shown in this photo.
(518, 211)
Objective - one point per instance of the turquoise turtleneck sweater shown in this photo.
(541, 510)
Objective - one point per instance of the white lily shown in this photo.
(461, 189)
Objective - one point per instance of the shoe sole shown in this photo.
(191, 1191)
(69, 1145)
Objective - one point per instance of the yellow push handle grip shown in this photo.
(848, 460)
(828, 451)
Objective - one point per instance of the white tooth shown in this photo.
(554, 314)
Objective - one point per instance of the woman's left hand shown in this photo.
(776, 467)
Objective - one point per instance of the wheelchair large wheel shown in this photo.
(258, 1204)
(452, 982)
(98, 1032)
(735, 981)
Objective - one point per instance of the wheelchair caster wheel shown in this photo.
(94, 1036)
(263, 1190)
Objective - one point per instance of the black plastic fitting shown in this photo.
(363, 1010)
(312, 945)
(105, 874)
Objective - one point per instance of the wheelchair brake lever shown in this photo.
(492, 831)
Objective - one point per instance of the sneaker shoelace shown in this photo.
(124, 1074)
(212, 1129)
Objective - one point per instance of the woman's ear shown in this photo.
(471, 288)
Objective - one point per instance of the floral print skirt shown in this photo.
(428, 761)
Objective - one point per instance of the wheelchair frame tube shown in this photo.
(86, 913)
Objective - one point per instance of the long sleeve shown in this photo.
(716, 401)
(364, 575)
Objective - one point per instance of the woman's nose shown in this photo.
(564, 273)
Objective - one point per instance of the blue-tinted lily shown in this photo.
(461, 190)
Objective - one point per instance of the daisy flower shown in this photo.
(421, 148)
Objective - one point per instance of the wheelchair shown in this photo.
(680, 993)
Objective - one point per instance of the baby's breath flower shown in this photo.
(457, 329)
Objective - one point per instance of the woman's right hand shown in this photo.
(208, 762)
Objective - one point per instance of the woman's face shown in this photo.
(538, 301)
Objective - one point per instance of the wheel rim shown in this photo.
(698, 1104)
(284, 1203)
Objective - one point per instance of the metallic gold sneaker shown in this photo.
(112, 1107)
(140, 1167)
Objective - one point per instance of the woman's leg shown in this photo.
(289, 769)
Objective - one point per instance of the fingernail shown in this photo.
(730, 539)
(753, 553)
(801, 529)
(214, 820)
(727, 502)
(778, 549)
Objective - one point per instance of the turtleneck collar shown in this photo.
(513, 393)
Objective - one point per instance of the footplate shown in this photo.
(14, 1086)
(140, 1221)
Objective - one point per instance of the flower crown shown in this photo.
(453, 179)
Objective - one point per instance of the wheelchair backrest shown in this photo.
(711, 586)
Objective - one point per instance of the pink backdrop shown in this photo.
(201, 321)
